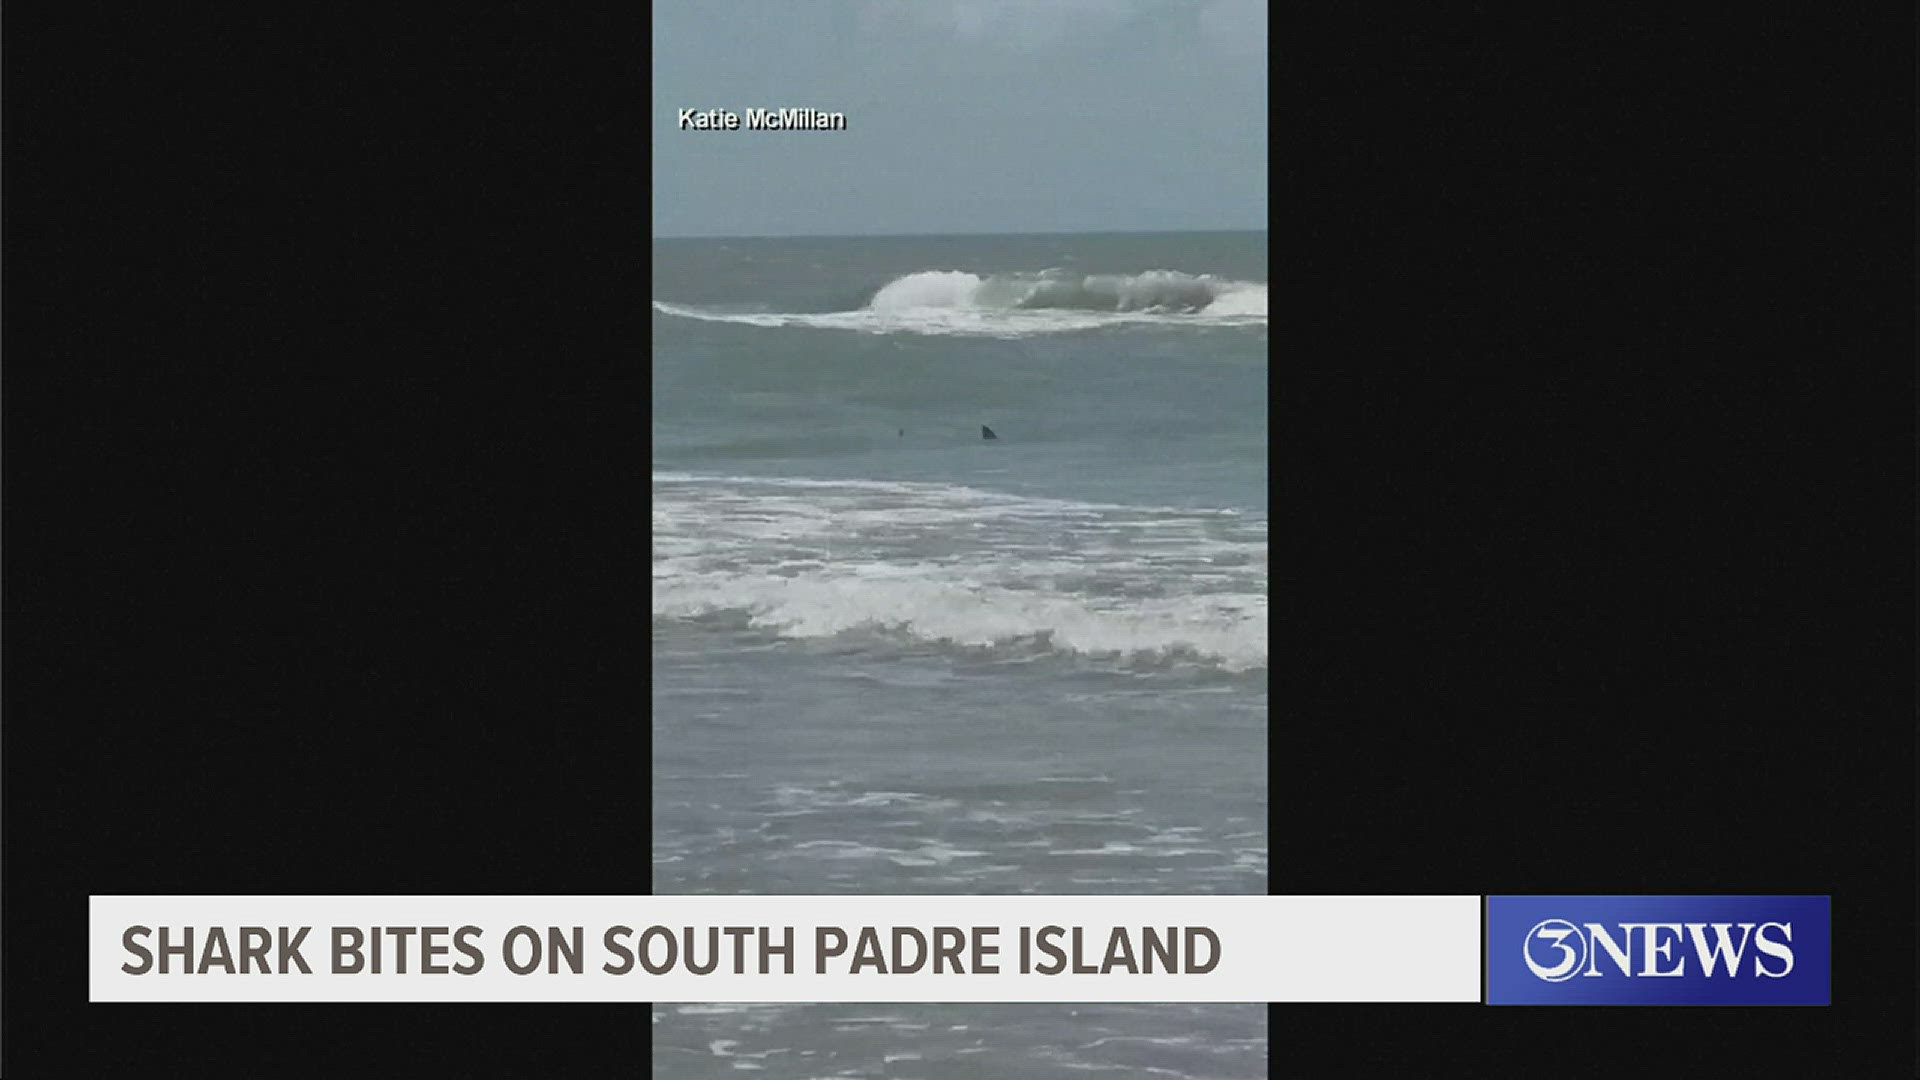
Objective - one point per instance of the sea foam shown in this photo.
(958, 567)
(1020, 303)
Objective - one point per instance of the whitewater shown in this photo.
(958, 566)
(1013, 304)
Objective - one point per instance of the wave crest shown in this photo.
(1020, 303)
(1165, 291)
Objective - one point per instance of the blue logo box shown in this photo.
(1657, 950)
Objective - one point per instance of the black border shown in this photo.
(1593, 417)
(325, 444)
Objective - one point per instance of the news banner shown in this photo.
(1494, 950)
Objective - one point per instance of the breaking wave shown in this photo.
(949, 566)
(1164, 291)
(1014, 304)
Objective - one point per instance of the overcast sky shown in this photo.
(963, 116)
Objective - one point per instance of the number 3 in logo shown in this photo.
(1556, 932)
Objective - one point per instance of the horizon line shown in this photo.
(909, 235)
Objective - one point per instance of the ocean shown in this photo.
(891, 655)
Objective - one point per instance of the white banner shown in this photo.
(785, 948)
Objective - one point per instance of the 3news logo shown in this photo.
(1721, 946)
(1657, 950)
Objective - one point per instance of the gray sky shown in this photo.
(963, 116)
